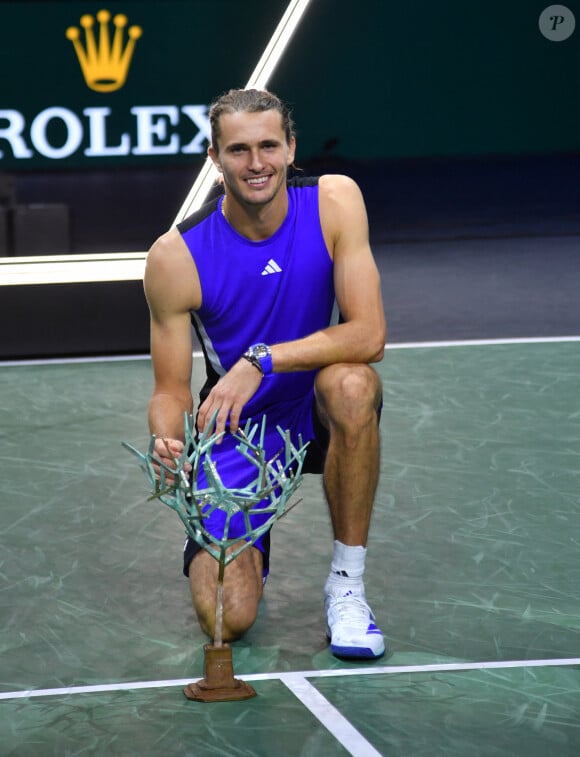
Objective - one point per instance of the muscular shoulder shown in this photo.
(338, 187)
(171, 281)
(342, 208)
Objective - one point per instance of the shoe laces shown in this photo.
(352, 609)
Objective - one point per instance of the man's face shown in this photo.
(253, 155)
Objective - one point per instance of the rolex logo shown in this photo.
(104, 63)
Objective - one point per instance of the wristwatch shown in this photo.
(260, 356)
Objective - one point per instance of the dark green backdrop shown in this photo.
(365, 78)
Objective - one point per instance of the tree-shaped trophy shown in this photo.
(268, 494)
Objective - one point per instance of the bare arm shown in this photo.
(361, 338)
(172, 288)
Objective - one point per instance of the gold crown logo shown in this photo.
(104, 65)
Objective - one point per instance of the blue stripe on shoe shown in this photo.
(356, 652)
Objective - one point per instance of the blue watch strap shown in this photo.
(261, 354)
(266, 363)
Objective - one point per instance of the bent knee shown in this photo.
(348, 392)
(236, 622)
(238, 617)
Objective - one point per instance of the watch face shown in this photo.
(260, 351)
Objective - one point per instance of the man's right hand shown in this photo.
(168, 451)
(229, 396)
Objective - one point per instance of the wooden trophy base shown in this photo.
(218, 684)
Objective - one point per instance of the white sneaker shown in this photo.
(350, 626)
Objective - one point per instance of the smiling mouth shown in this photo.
(257, 182)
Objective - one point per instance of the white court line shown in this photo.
(483, 342)
(447, 667)
(331, 718)
(395, 346)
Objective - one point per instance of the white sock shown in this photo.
(347, 569)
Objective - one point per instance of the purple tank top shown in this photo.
(270, 291)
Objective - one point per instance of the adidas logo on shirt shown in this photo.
(271, 267)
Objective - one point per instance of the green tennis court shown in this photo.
(473, 573)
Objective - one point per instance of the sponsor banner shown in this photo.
(125, 83)
(128, 82)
